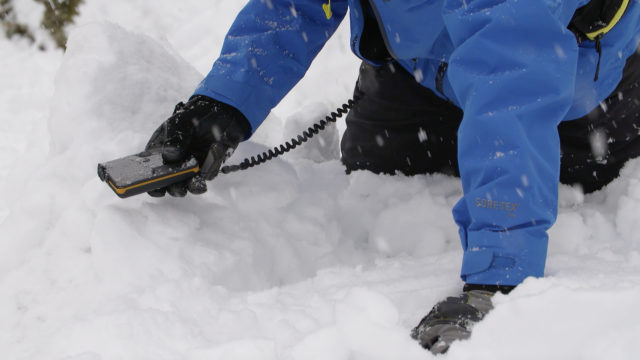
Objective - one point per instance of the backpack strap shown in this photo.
(596, 18)
(593, 20)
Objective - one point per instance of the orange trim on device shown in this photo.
(122, 191)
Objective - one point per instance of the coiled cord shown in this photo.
(293, 143)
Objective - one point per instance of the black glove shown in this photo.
(205, 129)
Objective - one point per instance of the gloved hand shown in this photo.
(452, 319)
(205, 129)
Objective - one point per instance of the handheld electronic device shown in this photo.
(143, 172)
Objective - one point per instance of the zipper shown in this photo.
(599, 51)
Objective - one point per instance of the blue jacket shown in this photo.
(513, 67)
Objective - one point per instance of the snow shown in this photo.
(289, 260)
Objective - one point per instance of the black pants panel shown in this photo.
(401, 126)
(596, 146)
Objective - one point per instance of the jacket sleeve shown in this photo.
(513, 73)
(267, 51)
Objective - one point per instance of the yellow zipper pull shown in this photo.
(327, 10)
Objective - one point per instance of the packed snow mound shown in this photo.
(119, 81)
(293, 259)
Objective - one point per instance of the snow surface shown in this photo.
(291, 260)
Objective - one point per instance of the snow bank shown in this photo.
(87, 275)
(290, 260)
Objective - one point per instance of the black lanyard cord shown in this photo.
(293, 143)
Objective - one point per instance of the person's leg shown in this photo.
(596, 146)
(398, 125)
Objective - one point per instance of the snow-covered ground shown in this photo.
(290, 260)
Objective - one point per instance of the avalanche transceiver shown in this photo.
(142, 172)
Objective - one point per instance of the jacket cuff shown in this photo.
(253, 112)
